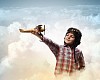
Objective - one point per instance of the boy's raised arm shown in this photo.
(53, 46)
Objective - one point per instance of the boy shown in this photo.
(69, 59)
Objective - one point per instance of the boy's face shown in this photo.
(69, 38)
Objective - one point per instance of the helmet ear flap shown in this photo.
(77, 42)
(64, 41)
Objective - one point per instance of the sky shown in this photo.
(46, 3)
(24, 57)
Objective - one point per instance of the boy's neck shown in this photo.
(72, 47)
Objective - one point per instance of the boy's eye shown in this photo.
(67, 35)
(72, 36)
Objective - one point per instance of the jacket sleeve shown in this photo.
(81, 61)
(53, 46)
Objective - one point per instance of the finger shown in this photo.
(33, 32)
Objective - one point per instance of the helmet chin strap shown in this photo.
(74, 55)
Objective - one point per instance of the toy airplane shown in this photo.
(36, 29)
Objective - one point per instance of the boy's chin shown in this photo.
(68, 44)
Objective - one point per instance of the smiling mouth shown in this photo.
(68, 40)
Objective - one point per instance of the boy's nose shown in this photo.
(68, 37)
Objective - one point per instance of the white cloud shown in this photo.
(29, 59)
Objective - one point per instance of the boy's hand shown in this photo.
(38, 34)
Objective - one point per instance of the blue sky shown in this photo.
(46, 3)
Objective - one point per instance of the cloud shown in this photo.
(26, 58)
